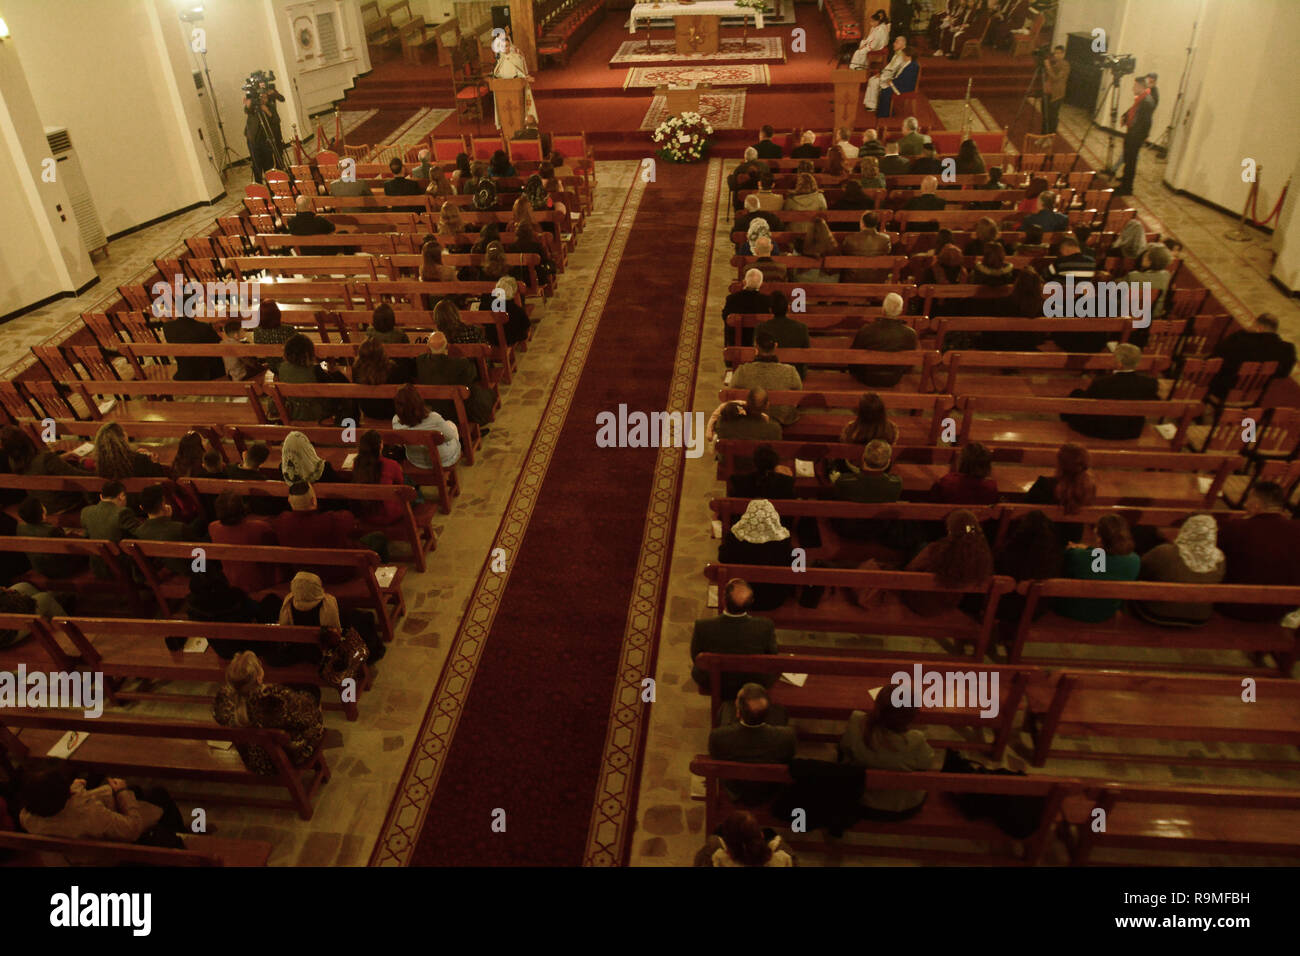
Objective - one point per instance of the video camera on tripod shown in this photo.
(1119, 64)
(258, 85)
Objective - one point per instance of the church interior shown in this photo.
(649, 434)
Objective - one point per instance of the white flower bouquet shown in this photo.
(758, 6)
(682, 138)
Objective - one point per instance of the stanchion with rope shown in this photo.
(1250, 212)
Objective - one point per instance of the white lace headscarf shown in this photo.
(1196, 544)
(757, 227)
(760, 524)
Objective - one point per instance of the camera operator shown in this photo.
(1056, 72)
(262, 126)
(1138, 121)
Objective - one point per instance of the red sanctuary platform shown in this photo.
(588, 94)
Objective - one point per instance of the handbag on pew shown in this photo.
(343, 653)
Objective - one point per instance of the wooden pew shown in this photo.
(135, 747)
(835, 613)
(970, 372)
(835, 364)
(362, 591)
(939, 818)
(1159, 818)
(125, 648)
(837, 686)
(913, 427)
(997, 429)
(201, 849)
(118, 585)
(1123, 630)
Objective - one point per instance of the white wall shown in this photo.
(104, 71)
(41, 253)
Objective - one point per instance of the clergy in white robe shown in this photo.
(887, 75)
(511, 65)
(877, 39)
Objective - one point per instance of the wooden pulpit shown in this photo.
(848, 87)
(509, 96)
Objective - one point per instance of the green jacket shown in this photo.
(107, 521)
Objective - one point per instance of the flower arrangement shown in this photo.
(683, 138)
(758, 6)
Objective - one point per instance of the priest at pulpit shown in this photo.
(511, 65)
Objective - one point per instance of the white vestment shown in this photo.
(877, 39)
(511, 65)
(883, 78)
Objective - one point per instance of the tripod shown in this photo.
(1115, 77)
(1165, 145)
(1036, 87)
(226, 152)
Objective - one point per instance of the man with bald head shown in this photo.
(733, 632)
(1125, 383)
(748, 301)
(752, 730)
(305, 222)
(772, 270)
(438, 367)
(425, 168)
(927, 198)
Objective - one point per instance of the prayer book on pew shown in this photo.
(803, 469)
(797, 679)
(1167, 430)
(726, 378)
(713, 595)
(384, 575)
(66, 744)
(349, 461)
(699, 788)
(221, 744)
(195, 645)
(716, 526)
(84, 449)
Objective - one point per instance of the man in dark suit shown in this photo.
(754, 730)
(110, 519)
(437, 367)
(184, 330)
(159, 525)
(1261, 343)
(928, 162)
(871, 144)
(306, 222)
(1261, 549)
(399, 185)
(750, 300)
(892, 164)
(1138, 121)
(807, 148)
(766, 148)
(772, 270)
(873, 484)
(789, 333)
(752, 212)
(733, 632)
(868, 242)
(1124, 384)
(925, 199)
(888, 333)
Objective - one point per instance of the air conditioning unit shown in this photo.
(68, 168)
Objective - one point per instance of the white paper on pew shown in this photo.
(195, 645)
(803, 469)
(349, 461)
(221, 744)
(726, 379)
(699, 788)
(107, 406)
(1112, 346)
(716, 526)
(875, 691)
(713, 595)
(1167, 431)
(797, 679)
(84, 449)
(384, 575)
(66, 744)
(1203, 483)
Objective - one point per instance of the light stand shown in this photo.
(1165, 145)
(226, 151)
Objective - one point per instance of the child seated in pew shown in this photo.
(1192, 558)
(885, 740)
(1117, 561)
(159, 525)
(58, 804)
(245, 701)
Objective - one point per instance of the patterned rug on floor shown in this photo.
(761, 49)
(723, 110)
(952, 113)
(740, 74)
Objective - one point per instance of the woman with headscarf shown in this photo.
(308, 605)
(1192, 558)
(805, 198)
(757, 228)
(299, 461)
(244, 701)
(959, 559)
(759, 538)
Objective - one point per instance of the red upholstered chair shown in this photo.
(447, 148)
(257, 191)
(484, 146)
(327, 157)
(525, 150)
(904, 104)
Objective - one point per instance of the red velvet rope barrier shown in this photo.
(1277, 210)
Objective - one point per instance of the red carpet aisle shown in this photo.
(538, 711)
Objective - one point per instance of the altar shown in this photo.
(697, 26)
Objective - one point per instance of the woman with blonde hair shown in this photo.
(245, 701)
(451, 227)
(438, 186)
(522, 211)
(805, 198)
